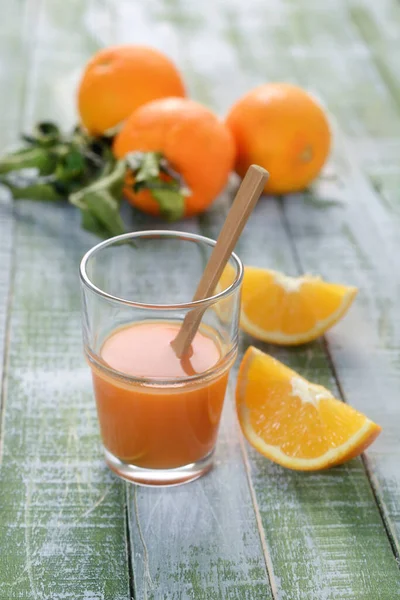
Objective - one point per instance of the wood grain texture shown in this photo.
(62, 514)
(363, 244)
(8, 130)
(317, 526)
(200, 540)
(307, 23)
(321, 536)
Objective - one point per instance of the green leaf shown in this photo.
(45, 134)
(152, 172)
(38, 158)
(91, 223)
(98, 154)
(100, 213)
(113, 181)
(74, 161)
(70, 166)
(100, 203)
(77, 166)
(171, 202)
(149, 166)
(40, 192)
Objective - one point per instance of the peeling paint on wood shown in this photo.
(250, 529)
(62, 514)
(316, 526)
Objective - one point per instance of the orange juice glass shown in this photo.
(158, 415)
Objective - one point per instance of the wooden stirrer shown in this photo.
(246, 198)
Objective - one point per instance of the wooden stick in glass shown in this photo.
(246, 198)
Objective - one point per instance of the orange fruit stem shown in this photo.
(192, 139)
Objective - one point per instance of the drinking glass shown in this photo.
(157, 428)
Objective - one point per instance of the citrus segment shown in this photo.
(290, 310)
(298, 424)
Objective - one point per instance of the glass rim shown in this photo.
(150, 233)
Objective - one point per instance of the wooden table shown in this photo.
(250, 530)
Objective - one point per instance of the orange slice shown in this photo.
(293, 422)
(290, 310)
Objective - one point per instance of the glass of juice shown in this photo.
(158, 414)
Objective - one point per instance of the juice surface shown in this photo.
(161, 427)
(144, 350)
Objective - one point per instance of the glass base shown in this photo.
(159, 477)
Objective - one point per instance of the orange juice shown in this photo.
(166, 421)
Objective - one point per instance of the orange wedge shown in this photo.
(290, 310)
(293, 422)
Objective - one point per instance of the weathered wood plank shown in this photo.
(317, 526)
(379, 28)
(317, 552)
(328, 519)
(10, 106)
(201, 540)
(364, 250)
(62, 514)
(377, 24)
(365, 355)
(364, 247)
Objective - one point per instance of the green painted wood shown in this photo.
(62, 513)
(368, 248)
(200, 540)
(364, 250)
(241, 564)
(364, 348)
(378, 27)
(352, 581)
(63, 531)
(316, 526)
(314, 551)
(10, 105)
(363, 239)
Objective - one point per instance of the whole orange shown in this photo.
(119, 79)
(184, 155)
(282, 128)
